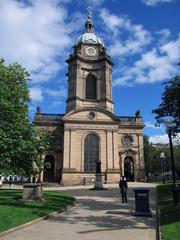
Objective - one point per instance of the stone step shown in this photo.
(51, 184)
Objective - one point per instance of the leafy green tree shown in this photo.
(19, 145)
(170, 105)
(152, 160)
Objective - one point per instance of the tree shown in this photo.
(18, 139)
(152, 158)
(170, 105)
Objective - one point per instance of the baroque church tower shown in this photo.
(89, 72)
(90, 130)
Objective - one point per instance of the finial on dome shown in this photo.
(90, 12)
(89, 24)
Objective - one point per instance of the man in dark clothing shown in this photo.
(123, 188)
(10, 181)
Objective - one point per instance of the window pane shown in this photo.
(90, 87)
(91, 152)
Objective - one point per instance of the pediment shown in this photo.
(91, 114)
(128, 152)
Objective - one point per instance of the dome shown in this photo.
(89, 38)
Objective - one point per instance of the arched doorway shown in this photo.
(91, 152)
(129, 168)
(49, 168)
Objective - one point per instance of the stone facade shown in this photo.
(90, 129)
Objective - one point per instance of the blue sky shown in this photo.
(141, 36)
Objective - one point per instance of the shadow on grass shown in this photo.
(17, 211)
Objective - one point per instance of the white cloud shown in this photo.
(61, 92)
(34, 35)
(136, 37)
(155, 65)
(94, 2)
(163, 35)
(163, 139)
(158, 58)
(153, 3)
(172, 49)
(46, 72)
(151, 125)
(36, 94)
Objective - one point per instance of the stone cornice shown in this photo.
(89, 100)
(46, 123)
(102, 59)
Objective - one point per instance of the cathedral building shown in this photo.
(90, 130)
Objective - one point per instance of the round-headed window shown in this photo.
(91, 115)
(91, 152)
(127, 140)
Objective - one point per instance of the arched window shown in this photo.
(49, 162)
(90, 87)
(91, 152)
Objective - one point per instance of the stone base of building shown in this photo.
(73, 177)
(113, 176)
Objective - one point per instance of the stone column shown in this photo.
(66, 156)
(116, 156)
(109, 149)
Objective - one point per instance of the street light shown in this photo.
(162, 158)
(169, 130)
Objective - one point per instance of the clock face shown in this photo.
(91, 51)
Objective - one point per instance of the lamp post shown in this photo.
(175, 190)
(162, 158)
(169, 131)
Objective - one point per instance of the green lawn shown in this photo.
(169, 215)
(13, 212)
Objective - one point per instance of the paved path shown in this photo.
(97, 215)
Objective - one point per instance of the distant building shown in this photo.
(90, 130)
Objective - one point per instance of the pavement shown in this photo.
(96, 215)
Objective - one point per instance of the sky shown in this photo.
(141, 36)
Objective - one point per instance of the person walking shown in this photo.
(123, 189)
(1, 182)
(10, 181)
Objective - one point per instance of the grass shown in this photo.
(14, 212)
(169, 215)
